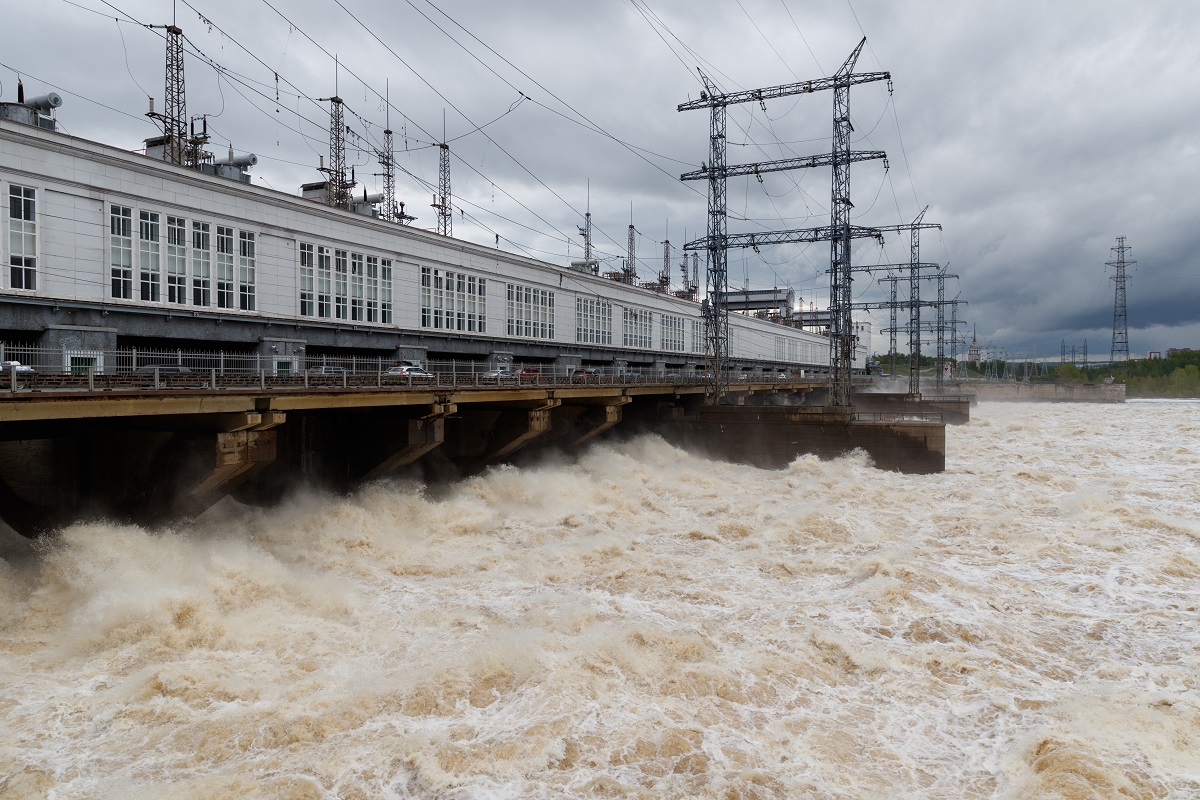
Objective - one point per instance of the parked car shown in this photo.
(415, 374)
(585, 374)
(328, 369)
(527, 372)
(498, 374)
(16, 366)
(163, 369)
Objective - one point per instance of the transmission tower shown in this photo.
(1120, 336)
(893, 305)
(839, 233)
(915, 268)
(174, 116)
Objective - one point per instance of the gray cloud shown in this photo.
(1035, 132)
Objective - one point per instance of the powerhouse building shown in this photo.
(107, 249)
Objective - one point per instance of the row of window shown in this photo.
(671, 333)
(453, 301)
(339, 284)
(593, 321)
(530, 312)
(637, 328)
(334, 284)
(229, 278)
(22, 237)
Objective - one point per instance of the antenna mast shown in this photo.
(441, 202)
(389, 164)
(1120, 336)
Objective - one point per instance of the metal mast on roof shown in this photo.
(388, 162)
(442, 201)
(174, 116)
(337, 193)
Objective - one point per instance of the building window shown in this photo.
(697, 336)
(149, 252)
(324, 283)
(176, 260)
(372, 288)
(201, 264)
(453, 300)
(593, 321)
(22, 237)
(339, 284)
(671, 333)
(356, 287)
(307, 279)
(530, 312)
(224, 267)
(121, 251)
(246, 261)
(385, 291)
(636, 330)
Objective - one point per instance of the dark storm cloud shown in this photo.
(1035, 132)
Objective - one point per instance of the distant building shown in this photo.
(974, 352)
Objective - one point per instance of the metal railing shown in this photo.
(897, 416)
(28, 367)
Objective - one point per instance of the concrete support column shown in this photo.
(412, 354)
(281, 357)
(81, 346)
(565, 364)
(500, 358)
(424, 434)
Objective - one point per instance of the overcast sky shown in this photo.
(1036, 132)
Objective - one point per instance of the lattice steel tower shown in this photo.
(1120, 337)
(630, 275)
(839, 233)
(338, 192)
(441, 201)
(174, 116)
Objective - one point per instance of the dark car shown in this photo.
(584, 375)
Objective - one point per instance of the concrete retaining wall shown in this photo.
(1047, 392)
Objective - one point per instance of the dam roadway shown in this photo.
(149, 447)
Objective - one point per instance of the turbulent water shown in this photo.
(642, 623)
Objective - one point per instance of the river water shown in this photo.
(642, 623)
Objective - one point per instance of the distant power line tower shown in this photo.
(1120, 337)
(630, 276)
(441, 201)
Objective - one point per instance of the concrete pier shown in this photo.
(771, 437)
(1045, 392)
(149, 454)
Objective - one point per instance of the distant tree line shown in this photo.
(1177, 375)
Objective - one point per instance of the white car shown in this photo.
(416, 374)
(8, 367)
